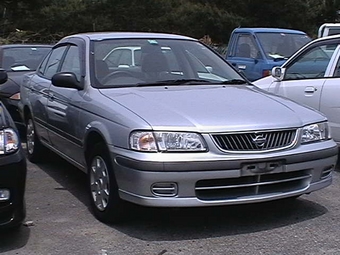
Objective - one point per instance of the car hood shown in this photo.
(212, 108)
(264, 83)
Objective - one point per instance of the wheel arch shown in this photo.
(26, 113)
(95, 133)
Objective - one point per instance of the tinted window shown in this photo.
(246, 47)
(71, 61)
(54, 61)
(312, 64)
(42, 67)
(23, 58)
(156, 60)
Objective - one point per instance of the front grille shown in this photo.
(256, 141)
(250, 186)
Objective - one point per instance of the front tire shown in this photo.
(105, 201)
(34, 148)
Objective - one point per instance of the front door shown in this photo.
(62, 110)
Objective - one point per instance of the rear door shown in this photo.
(37, 91)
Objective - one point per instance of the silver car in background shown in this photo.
(180, 129)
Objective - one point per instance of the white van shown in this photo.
(329, 29)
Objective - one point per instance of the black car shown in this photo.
(12, 170)
(17, 60)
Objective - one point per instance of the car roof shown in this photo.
(268, 30)
(128, 35)
(329, 37)
(6, 46)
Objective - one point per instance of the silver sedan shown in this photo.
(180, 128)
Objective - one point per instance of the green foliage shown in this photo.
(48, 20)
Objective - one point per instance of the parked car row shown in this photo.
(163, 120)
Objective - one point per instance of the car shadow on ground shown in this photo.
(197, 223)
(14, 239)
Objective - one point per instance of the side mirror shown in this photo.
(278, 73)
(3, 76)
(66, 80)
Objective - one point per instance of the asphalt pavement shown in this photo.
(59, 221)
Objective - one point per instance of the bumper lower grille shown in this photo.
(256, 141)
(252, 186)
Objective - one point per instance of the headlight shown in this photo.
(166, 141)
(315, 132)
(9, 141)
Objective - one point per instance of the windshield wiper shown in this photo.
(235, 81)
(175, 82)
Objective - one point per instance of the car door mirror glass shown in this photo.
(277, 73)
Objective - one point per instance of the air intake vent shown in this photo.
(164, 189)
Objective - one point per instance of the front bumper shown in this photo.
(13, 177)
(207, 179)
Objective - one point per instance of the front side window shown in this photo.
(157, 60)
(311, 64)
(71, 61)
(246, 47)
(54, 61)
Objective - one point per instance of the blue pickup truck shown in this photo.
(255, 51)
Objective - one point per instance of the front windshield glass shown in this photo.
(23, 58)
(157, 61)
(281, 45)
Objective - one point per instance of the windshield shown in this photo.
(139, 62)
(23, 58)
(281, 45)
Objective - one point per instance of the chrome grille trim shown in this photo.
(256, 141)
(252, 186)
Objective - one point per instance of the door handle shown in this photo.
(310, 90)
(50, 96)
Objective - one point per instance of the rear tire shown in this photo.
(34, 148)
(105, 201)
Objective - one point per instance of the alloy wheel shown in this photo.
(99, 181)
(30, 135)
